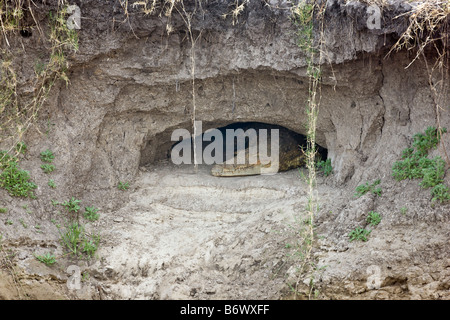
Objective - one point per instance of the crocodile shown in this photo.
(290, 156)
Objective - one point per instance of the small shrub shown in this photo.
(123, 185)
(48, 167)
(17, 181)
(72, 236)
(325, 167)
(409, 168)
(47, 156)
(75, 239)
(416, 164)
(48, 259)
(6, 160)
(72, 205)
(91, 214)
(359, 234)
(51, 184)
(364, 188)
(90, 246)
(433, 172)
(440, 193)
(23, 223)
(427, 141)
(21, 147)
(373, 218)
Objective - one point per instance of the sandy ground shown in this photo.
(191, 235)
(182, 234)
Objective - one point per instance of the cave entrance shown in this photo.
(240, 147)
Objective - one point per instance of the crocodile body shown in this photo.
(290, 157)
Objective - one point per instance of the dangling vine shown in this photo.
(308, 17)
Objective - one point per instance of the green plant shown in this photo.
(416, 165)
(21, 147)
(433, 172)
(3, 210)
(85, 276)
(364, 188)
(325, 167)
(90, 246)
(23, 223)
(123, 185)
(440, 193)
(48, 259)
(48, 167)
(7, 160)
(303, 19)
(91, 214)
(359, 234)
(72, 236)
(16, 181)
(39, 68)
(75, 239)
(51, 183)
(305, 15)
(72, 205)
(9, 222)
(423, 142)
(47, 156)
(403, 210)
(373, 218)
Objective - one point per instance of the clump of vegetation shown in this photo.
(6, 159)
(364, 188)
(48, 167)
(72, 206)
(23, 223)
(78, 242)
(48, 259)
(13, 179)
(415, 164)
(51, 184)
(359, 234)
(21, 147)
(325, 167)
(90, 213)
(403, 210)
(303, 20)
(123, 185)
(373, 218)
(440, 193)
(47, 156)
(73, 236)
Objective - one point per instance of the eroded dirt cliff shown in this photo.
(180, 234)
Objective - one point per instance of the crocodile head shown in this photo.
(233, 170)
(287, 161)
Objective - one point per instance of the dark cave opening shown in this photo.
(219, 144)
